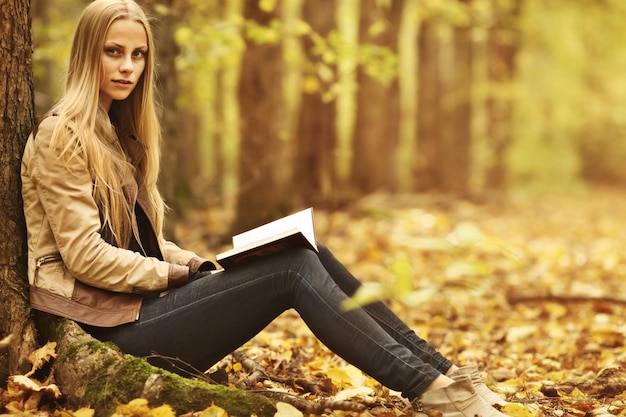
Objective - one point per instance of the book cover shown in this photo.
(295, 230)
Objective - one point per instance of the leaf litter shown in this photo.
(529, 289)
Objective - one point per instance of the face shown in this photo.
(123, 60)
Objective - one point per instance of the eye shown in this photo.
(111, 50)
(139, 53)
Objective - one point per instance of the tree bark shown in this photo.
(16, 121)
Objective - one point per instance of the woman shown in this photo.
(97, 253)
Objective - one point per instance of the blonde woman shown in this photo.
(96, 252)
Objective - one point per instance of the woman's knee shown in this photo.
(323, 249)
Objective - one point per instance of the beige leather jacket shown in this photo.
(73, 271)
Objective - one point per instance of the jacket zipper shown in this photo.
(45, 260)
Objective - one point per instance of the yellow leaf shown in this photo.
(466, 234)
(555, 376)
(287, 410)
(83, 412)
(577, 394)
(137, 407)
(517, 410)
(360, 393)
(237, 367)
(165, 411)
(339, 376)
(403, 272)
(366, 294)
(213, 411)
(517, 333)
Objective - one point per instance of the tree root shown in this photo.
(97, 375)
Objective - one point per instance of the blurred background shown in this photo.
(273, 105)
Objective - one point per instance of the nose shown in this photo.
(126, 64)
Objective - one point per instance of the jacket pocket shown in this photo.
(52, 275)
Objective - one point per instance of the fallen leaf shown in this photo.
(213, 411)
(23, 383)
(41, 356)
(287, 410)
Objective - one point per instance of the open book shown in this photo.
(295, 230)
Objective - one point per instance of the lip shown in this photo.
(123, 83)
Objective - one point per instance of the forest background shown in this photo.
(319, 103)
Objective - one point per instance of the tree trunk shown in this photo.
(265, 168)
(444, 118)
(16, 122)
(428, 133)
(316, 132)
(503, 44)
(378, 106)
(456, 111)
(167, 88)
(95, 374)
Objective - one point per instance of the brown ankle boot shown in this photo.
(458, 399)
(479, 385)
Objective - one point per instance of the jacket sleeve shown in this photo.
(173, 253)
(65, 189)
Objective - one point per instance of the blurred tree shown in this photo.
(377, 123)
(316, 130)
(209, 37)
(53, 26)
(502, 47)
(265, 171)
(16, 121)
(429, 119)
(444, 111)
(44, 78)
(173, 154)
(455, 152)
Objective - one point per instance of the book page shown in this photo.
(302, 220)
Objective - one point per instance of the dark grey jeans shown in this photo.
(207, 319)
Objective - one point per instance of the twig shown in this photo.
(517, 299)
(256, 371)
(190, 371)
(314, 407)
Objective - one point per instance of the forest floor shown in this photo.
(530, 289)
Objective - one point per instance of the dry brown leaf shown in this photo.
(21, 383)
(42, 356)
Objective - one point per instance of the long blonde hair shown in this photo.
(85, 128)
